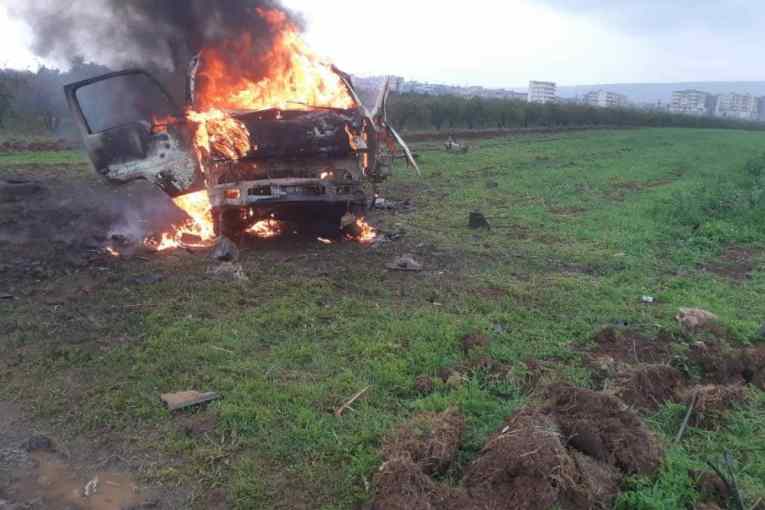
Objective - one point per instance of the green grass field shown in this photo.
(583, 225)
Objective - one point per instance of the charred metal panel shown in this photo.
(164, 160)
(346, 169)
(298, 134)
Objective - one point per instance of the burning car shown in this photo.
(282, 135)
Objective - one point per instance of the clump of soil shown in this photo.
(474, 342)
(400, 485)
(722, 365)
(630, 346)
(198, 425)
(572, 453)
(424, 385)
(526, 463)
(601, 426)
(444, 373)
(430, 440)
(712, 402)
(712, 489)
(646, 387)
(596, 484)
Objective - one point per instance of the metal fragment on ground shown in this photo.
(405, 263)
(185, 399)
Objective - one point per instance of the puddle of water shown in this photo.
(61, 487)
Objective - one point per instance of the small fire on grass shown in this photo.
(111, 251)
(361, 232)
(267, 229)
(197, 232)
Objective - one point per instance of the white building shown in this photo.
(542, 92)
(690, 102)
(738, 106)
(605, 99)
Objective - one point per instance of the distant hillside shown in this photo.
(652, 92)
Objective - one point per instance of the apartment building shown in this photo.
(542, 92)
(605, 99)
(690, 102)
(738, 106)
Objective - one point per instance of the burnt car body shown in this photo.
(301, 162)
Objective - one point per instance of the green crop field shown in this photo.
(583, 225)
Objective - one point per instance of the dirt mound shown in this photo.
(596, 484)
(525, 463)
(721, 364)
(528, 463)
(572, 454)
(474, 342)
(712, 402)
(646, 387)
(601, 426)
(430, 440)
(401, 485)
(631, 346)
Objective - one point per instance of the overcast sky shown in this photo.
(505, 43)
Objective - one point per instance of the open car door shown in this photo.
(132, 129)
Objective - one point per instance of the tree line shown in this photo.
(35, 101)
(414, 112)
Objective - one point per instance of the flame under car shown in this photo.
(307, 161)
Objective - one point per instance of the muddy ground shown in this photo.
(56, 223)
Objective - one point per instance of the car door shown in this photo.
(132, 129)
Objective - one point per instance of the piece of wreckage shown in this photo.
(288, 162)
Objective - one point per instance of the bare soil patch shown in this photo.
(711, 403)
(736, 264)
(39, 473)
(721, 364)
(647, 387)
(567, 211)
(34, 146)
(430, 440)
(627, 345)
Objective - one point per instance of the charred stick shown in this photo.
(339, 412)
(684, 426)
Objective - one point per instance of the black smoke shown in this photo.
(157, 34)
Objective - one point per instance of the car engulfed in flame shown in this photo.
(293, 138)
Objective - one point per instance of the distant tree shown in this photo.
(438, 106)
(6, 102)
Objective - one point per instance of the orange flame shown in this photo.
(267, 229)
(288, 76)
(220, 134)
(367, 233)
(198, 231)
